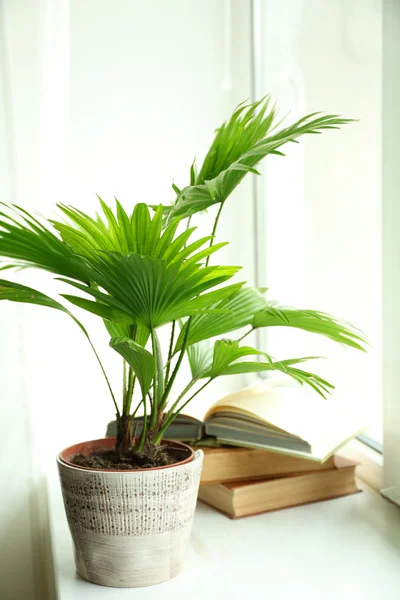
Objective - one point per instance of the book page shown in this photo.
(296, 410)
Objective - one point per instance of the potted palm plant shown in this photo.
(130, 500)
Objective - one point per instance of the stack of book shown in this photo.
(270, 447)
(241, 482)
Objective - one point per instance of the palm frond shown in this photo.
(312, 321)
(239, 145)
(25, 241)
(16, 292)
(117, 232)
(151, 291)
(237, 136)
(227, 352)
(140, 360)
(239, 308)
(200, 357)
(227, 360)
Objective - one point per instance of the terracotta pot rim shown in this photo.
(109, 442)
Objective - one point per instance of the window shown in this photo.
(321, 206)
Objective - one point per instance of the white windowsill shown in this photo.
(343, 548)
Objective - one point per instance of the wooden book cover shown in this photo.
(237, 464)
(246, 498)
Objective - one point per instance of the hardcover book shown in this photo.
(230, 464)
(247, 498)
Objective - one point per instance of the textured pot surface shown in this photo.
(130, 528)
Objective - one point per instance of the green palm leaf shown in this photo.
(321, 386)
(16, 292)
(118, 232)
(225, 353)
(140, 360)
(239, 145)
(151, 291)
(200, 357)
(240, 308)
(21, 293)
(227, 360)
(98, 308)
(27, 242)
(312, 321)
(117, 322)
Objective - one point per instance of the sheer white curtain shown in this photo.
(108, 98)
(19, 182)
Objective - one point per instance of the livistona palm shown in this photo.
(143, 270)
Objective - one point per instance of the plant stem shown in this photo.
(105, 377)
(136, 409)
(129, 394)
(246, 334)
(214, 230)
(188, 227)
(139, 447)
(177, 366)
(168, 422)
(170, 350)
(175, 404)
(158, 382)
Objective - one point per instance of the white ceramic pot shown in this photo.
(130, 528)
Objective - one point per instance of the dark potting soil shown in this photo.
(110, 460)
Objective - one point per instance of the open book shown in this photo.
(274, 416)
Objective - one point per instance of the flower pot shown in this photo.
(129, 528)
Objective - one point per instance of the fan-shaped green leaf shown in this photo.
(238, 146)
(99, 309)
(227, 357)
(312, 321)
(29, 243)
(16, 292)
(200, 358)
(151, 291)
(227, 352)
(318, 384)
(140, 234)
(240, 308)
(139, 359)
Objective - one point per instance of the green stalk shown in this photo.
(131, 379)
(181, 395)
(123, 384)
(246, 334)
(158, 382)
(136, 409)
(170, 350)
(168, 421)
(129, 393)
(177, 366)
(214, 230)
(139, 447)
(105, 376)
